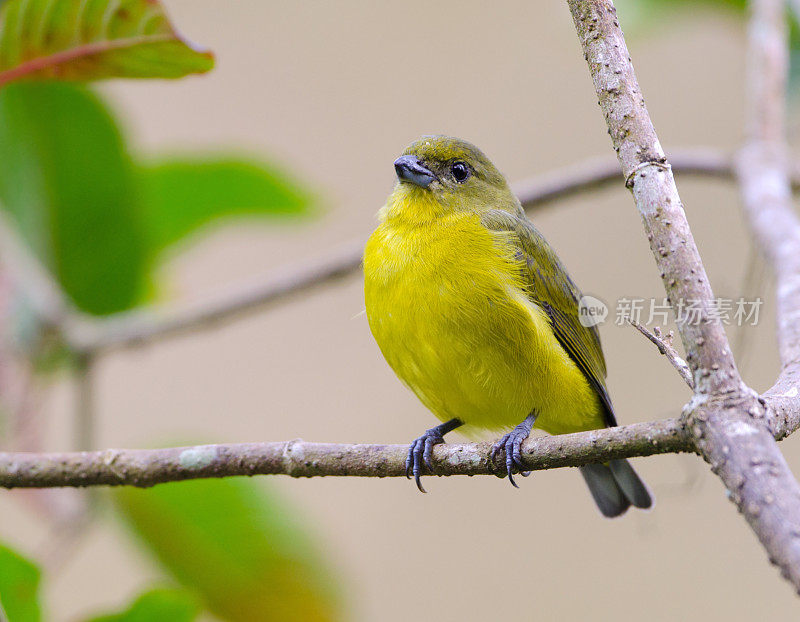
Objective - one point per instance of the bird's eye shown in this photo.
(460, 171)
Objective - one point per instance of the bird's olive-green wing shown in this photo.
(548, 284)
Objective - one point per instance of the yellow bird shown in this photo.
(475, 313)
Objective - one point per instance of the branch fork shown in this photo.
(726, 419)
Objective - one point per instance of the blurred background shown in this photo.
(332, 93)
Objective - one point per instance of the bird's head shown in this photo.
(439, 175)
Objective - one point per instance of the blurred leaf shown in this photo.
(158, 605)
(180, 196)
(648, 16)
(91, 39)
(19, 587)
(69, 183)
(737, 5)
(243, 551)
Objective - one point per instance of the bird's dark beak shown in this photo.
(408, 168)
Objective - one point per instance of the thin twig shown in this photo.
(664, 345)
(146, 467)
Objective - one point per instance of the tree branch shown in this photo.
(89, 335)
(726, 418)
(146, 467)
(764, 177)
(649, 176)
(142, 327)
(600, 172)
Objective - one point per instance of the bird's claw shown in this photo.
(511, 444)
(420, 453)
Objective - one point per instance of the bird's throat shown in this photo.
(412, 205)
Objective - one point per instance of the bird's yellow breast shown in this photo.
(447, 309)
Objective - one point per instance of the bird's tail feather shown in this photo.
(631, 484)
(615, 487)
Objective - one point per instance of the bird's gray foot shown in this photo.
(511, 444)
(421, 450)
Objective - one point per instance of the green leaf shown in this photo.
(19, 587)
(158, 605)
(650, 16)
(242, 550)
(182, 195)
(93, 39)
(69, 183)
